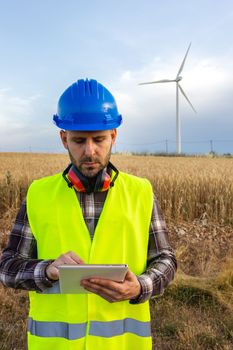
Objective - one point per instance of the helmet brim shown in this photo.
(106, 124)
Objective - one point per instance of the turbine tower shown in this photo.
(178, 88)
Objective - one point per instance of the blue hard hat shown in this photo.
(87, 106)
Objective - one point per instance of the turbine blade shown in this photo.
(182, 91)
(158, 81)
(182, 64)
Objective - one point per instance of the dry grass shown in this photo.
(196, 313)
(13, 315)
(196, 195)
(187, 188)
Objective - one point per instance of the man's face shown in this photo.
(89, 151)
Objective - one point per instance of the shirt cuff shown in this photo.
(146, 289)
(41, 280)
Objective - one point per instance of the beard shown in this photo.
(90, 171)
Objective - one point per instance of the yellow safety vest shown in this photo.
(87, 321)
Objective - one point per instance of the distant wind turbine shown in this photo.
(178, 87)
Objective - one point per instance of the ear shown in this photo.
(113, 135)
(63, 135)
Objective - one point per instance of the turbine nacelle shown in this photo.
(178, 79)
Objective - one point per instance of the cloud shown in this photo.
(18, 122)
(15, 111)
(150, 110)
(207, 82)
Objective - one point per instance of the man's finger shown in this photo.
(108, 284)
(102, 290)
(103, 294)
(130, 276)
(69, 258)
(76, 258)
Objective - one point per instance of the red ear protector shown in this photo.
(81, 183)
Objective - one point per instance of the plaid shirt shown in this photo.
(20, 268)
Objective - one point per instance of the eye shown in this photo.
(99, 139)
(79, 141)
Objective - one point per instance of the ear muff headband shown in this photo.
(103, 181)
(76, 179)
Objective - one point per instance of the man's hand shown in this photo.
(114, 291)
(69, 258)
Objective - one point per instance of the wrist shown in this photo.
(48, 275)
(138, 291)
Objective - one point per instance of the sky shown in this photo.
(47, 45)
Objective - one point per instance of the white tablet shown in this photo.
(70, 276)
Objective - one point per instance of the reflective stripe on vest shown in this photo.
(100, 329)
(112, 328)
(57, 329)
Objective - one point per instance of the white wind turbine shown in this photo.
(178, 87)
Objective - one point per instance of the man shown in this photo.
(93, 214)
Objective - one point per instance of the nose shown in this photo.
(89, 148)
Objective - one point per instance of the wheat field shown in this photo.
(186, 187)
(196, 196)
